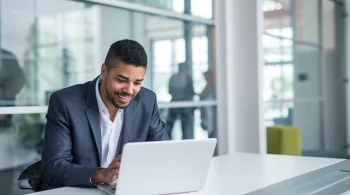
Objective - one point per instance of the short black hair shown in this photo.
(127, 51)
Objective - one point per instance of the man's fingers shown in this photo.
(114, 165)
(112, 172)
(115, 177)
(118, 158)
(113, 169)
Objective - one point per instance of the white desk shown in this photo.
(238, 173)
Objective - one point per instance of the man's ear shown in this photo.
(104, 71)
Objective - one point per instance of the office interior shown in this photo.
(255, 66)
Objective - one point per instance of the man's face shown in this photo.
(122, 83)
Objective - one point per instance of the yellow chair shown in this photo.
(283, 140)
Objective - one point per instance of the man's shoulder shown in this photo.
(145, 95)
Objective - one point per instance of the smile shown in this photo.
(124, 99)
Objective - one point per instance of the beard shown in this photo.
(117, 104)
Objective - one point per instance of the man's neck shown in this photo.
(112, 110)
(112, 114)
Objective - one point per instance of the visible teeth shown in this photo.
(123, 96)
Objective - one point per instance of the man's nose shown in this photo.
(129, 89)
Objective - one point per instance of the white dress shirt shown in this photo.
(110, 131)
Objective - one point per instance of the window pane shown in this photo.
(21, 145)
(278, 45)
(67, 41)
(307, 68)
(307, 20)
(198, 123)
(200, 8)
(300, 14)
(307, 116)
(168, 76)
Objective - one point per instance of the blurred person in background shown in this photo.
(12, 80)
(207, 113)
(181, 89)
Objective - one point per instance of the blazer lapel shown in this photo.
(92, 114)
(127, 126)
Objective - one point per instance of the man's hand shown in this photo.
(109, 174)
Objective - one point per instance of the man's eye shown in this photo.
(137, 83)
(119, 80)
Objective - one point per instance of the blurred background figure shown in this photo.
(11, 82)
(207, 113)
(181, 89)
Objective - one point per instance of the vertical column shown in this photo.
(334, 91)
(239, 71)
(347, 71)
(188, 35)
(0, 37)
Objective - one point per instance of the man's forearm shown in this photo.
(59, 174)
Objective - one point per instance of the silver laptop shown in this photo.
(163, 167)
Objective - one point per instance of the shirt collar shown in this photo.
(101, 106)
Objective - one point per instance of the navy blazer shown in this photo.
(72, 145)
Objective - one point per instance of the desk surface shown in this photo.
(238, 173)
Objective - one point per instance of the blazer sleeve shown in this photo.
(57, 169)
(158, 130)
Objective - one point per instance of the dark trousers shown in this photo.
(186, 115)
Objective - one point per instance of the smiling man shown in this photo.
(88, 124)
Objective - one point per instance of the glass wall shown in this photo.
(59, 43)
(200, 8)
(60, 47)
(302, 78)
(292, 79)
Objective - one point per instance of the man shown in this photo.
(88, 124)
(207, 113)
(181, 89)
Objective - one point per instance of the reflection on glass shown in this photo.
(278, 45)
(200, 8)
(12, 80)
(65, 44)
(20, 146)
(181, 89)
(308, 117)
(308, 21)
(203, 123)
(278, 92)
(168, 53)
(279, 68)
(207, 113)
